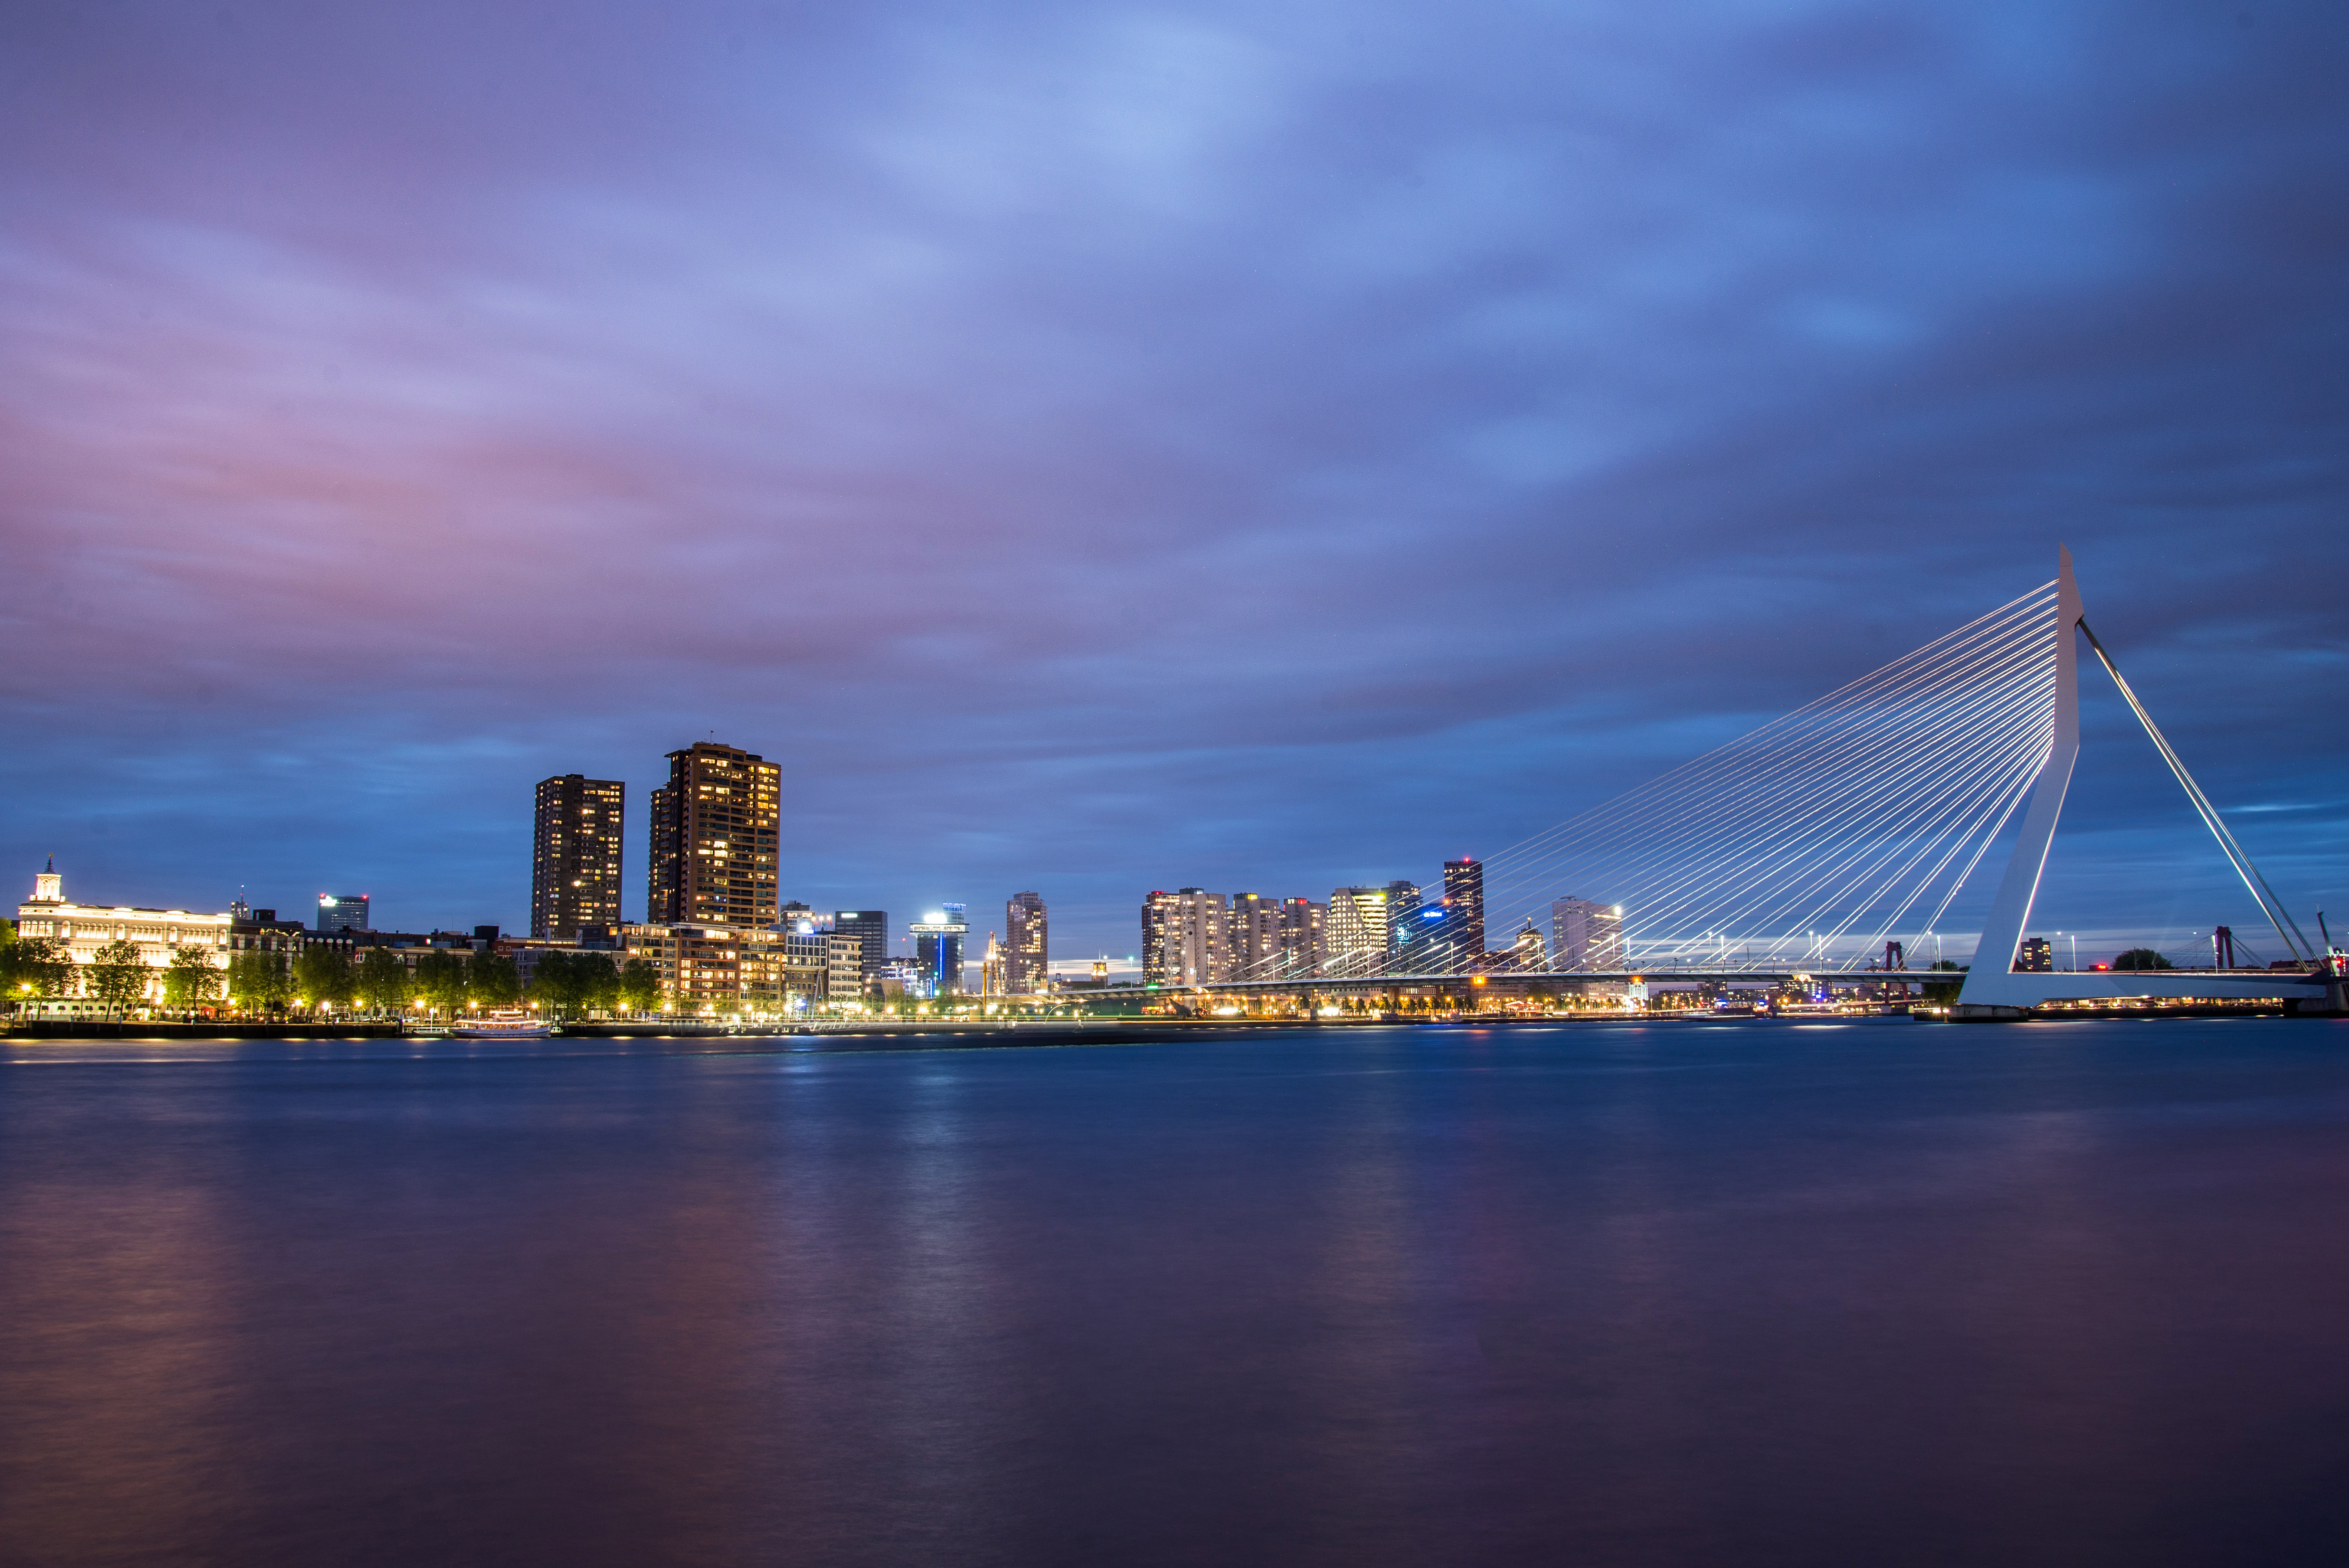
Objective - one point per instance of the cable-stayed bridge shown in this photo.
(1837, 839)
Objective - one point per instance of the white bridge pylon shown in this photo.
(1826, 837)
(1992, 982)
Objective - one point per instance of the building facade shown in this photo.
(1359, 928)
(1304, 935)
(1402, 909)
(1464, 901)
(574, 860)
(1198, 938)
(1252, 940)
(343, 912)
(1026, 946)
(869, 927)
(1584, 935)
(79, 930)
(1157, 921)
(844, 971)
(711, 968)
(937, 950)
(713, 852)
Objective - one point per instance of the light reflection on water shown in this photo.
(2066, 1293)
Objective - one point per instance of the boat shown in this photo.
(521, 1026)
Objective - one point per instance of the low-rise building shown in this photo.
(79, 930)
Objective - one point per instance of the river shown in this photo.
(1724, 1293)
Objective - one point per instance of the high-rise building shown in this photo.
(1584, 935)
(714, 839)
(1252, 948)
(1527, 953)
(1304, 935)
(1157, 923)
(871, 929)
(1403, 911)
(1358, 931)
(1463, 898)
(1026, 945)
(574, 860)
(1198, 938)
(937, 949)
(343, 912)
(990, 969)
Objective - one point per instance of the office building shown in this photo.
(937, 949)
(1026, 946)
(1402, 909)
(343, 912)
(574, 863)
(1584, 935)
(713, 854)
(1463, 900)
(1528, 954)
(844, 971)
(869, 927)
(1424, 943)
(990, 969)
(2035, 957)
(1358, 932)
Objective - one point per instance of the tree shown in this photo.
(260, 981)
(191, 978)
(33, 966)
(384, 982)
(494, 982)
(640, 987)
(599, 981)
(441, 981)
(323, 976)
(557, 985)
(1945, 993)
(117, 976)
(2142, 958)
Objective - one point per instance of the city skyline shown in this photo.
(1018, 556)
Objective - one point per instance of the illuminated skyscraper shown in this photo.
(1026, 946)
(343, 912)
(1252, 943)
(714, 839)
(937, 949)
(1198, 939)
(1358, 931)
(871, 929)
(1463, 898)
(1157, 922)
(574, 863)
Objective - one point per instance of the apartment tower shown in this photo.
(1026, 946)
(574, 856)
(713, 839)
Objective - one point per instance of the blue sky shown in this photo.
(1098, 449)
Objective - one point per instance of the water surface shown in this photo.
(1739, 1293)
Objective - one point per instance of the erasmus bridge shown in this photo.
(1832, 841)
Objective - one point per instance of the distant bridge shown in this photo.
(1841, 832)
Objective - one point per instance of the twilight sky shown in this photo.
(1097, 449)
